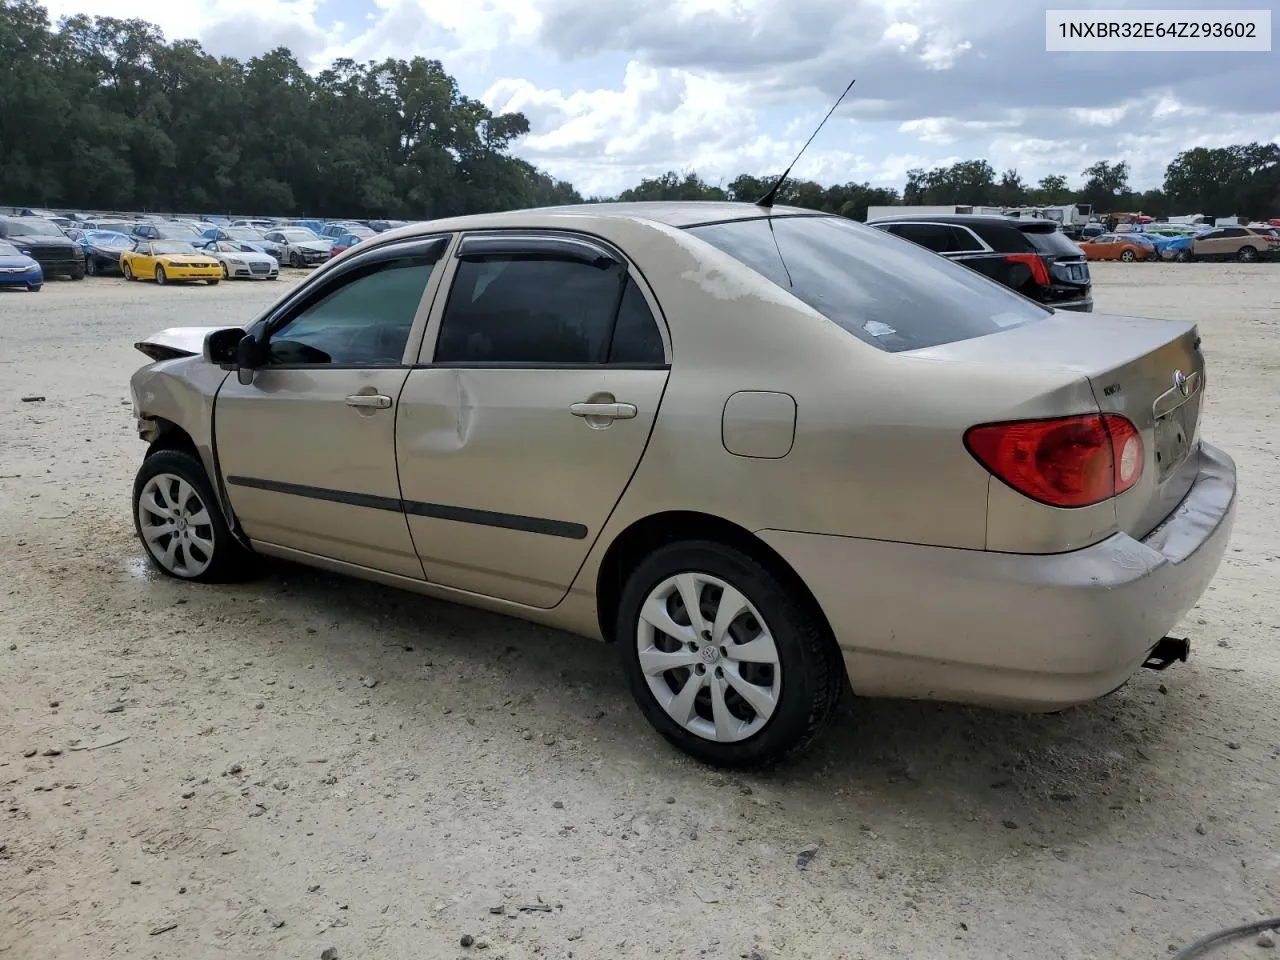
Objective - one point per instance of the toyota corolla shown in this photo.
(771, 455)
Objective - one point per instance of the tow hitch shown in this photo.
(1168, 651)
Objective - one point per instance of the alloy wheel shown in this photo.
(175, 525)
(708, 657)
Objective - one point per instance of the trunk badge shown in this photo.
(1180, 381)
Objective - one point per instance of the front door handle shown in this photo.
(604, 411)
(375, 400)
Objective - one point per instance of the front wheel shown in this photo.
(1182, 256)
(161, 277)
(226, 274)
(91, 267)
(1127, 256)
(34, 287)
(724, 660)
(295, 260)
(128, 272)
(213, 281)
(77, 274)
(180, 523)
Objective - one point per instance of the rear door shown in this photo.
(528, 413)
(1213, 245)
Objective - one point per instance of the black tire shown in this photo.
(213, 281)
(161, 277)
(226, 274)
(295, 259)
(34, 287)
(77, 274)
(1127, 256)
(91, 267)
(1247, 254)
(1182, 256)
(230, 560)
(812, 671)
(127, 271)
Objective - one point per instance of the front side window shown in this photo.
(888, 293)
(512, 310)
(365, 321)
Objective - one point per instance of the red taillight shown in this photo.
(1064, 462)
(1039, 272)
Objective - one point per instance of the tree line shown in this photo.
(104, 113)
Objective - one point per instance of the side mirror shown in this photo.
(248, 357)
(221, 346)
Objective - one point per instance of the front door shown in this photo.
(519, 434)
(307, 450)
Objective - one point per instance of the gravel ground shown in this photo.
(305, 762)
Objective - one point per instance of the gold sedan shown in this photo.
(769, 454)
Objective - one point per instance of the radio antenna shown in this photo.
(767, 200)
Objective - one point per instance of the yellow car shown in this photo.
(165, 260)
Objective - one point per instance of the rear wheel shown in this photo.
(724, 661)
(180, 524)
(161, 277)
(1247, 254)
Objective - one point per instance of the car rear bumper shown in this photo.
(1019, 631)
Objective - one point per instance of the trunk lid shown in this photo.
(1150, 371)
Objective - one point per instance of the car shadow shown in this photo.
(1038, 781)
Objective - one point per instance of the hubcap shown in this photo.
(176, 526)
(708, 657)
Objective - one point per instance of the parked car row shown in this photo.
(253, 248)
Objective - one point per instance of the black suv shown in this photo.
(43, 241)
(1033, 257)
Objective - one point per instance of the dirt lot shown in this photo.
(304, 762)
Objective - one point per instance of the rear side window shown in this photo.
(1054, 243)
(529, 311)
(635, 336)
(886, 292)
(931, 236)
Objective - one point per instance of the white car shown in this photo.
(241, 261)
(300, 247)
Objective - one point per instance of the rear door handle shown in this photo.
(606, 411)
(375, 400)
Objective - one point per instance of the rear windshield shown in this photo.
(886, 291)
(1053, 242)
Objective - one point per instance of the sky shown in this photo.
(618, 90)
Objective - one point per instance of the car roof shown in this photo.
(968, 219)
(674, 213)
